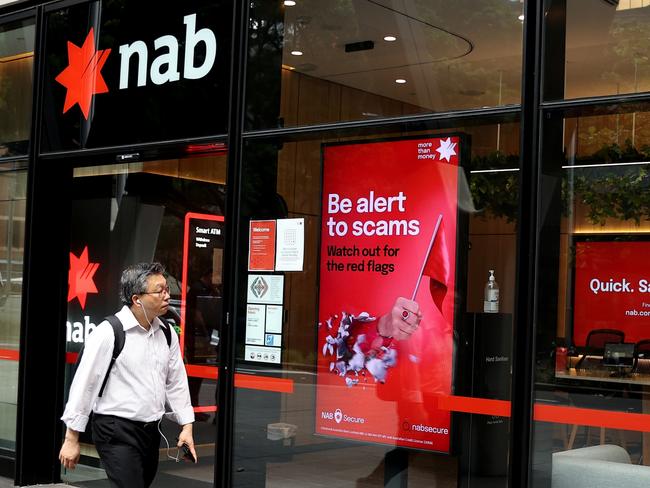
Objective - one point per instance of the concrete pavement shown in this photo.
(9, 483)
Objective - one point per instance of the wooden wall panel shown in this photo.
(497, 252)
(316, 100)
(15, 100)
(359, 105)
(286, 185)
(309, 100)
(210, 168)
(308, 178)
(289, 97)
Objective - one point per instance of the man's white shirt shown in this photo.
(147, 375)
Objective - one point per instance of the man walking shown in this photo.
(147, 375)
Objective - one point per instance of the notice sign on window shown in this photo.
(255, 315)
(263, 333)
(290, 249)
(261, 245)
(262, 354)
(268, 289)
(387, 291)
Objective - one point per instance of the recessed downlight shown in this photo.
(390, 38)
(296, 53)
(400, 81)
(289, 3)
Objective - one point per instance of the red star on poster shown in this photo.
(80, 277)
(83, 77)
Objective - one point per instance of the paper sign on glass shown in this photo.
(267, 289)
(261, 245)
(290, 248)
(261, 354)
(255, 315)
(274, 319)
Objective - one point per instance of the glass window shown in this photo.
(13, 185)
(170, 211)
(314, 62)
(592, 342)
(602, 53)
(16, 70)
(384, 350)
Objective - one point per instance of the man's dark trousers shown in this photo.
(128, 450)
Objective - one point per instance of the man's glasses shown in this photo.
(158, 292)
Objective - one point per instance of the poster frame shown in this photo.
(460, 288)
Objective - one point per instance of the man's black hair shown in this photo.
(134, 279)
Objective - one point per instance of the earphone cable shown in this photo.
(167, 442)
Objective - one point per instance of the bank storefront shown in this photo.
(405, 241)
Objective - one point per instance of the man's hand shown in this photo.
(70, 451)
(403, 319)
(185, 437)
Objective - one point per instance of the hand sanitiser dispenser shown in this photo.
(491, 296)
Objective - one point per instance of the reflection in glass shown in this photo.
(606, 51)
(278, 438)
(16, 66)
(591, 348)
(12, 237)
(358, 59)
(138, 212)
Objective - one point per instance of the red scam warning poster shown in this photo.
(386, 298)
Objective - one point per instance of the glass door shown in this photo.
(170, 211)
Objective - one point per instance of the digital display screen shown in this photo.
(612, 289)
(388, 247)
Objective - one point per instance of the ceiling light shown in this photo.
(296, 53)
(289, 3)
(401, 81)
(390, 38)
(521, 17)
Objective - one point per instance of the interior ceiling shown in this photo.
(465, 53)
(457, 54)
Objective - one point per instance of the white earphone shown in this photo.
(144, 310)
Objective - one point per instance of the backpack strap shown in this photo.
(167, 331)
(118, 345)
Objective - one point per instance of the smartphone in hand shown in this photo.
(187, 454)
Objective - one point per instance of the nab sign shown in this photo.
(134, 74)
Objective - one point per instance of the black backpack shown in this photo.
(118, 345)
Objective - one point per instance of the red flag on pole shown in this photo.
(437, 268)
(436, 265)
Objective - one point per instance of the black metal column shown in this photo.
(524, 330)
(43, 312)
(226, 386)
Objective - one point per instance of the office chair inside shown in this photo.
(596, 340)
(642, 357)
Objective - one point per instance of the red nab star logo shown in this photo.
(83, 77)
(80, 277)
